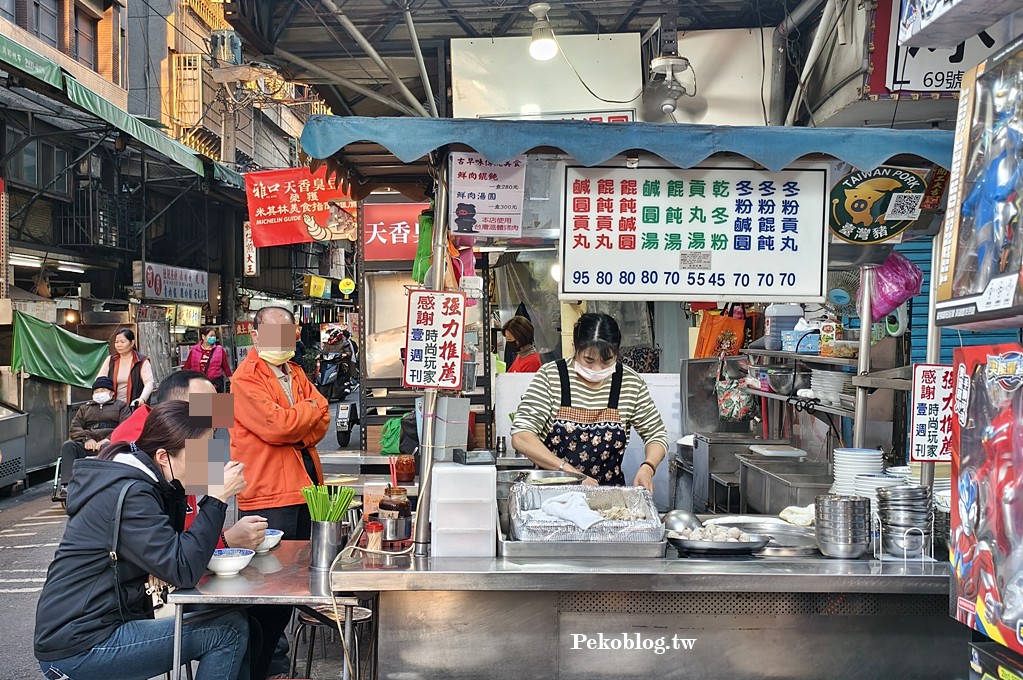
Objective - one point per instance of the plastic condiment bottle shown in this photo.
(779, 318)
(374, 536)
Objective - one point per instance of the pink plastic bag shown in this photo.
(895, 281)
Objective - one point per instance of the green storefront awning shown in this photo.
(30, 63)
(228, 176)
(154, 139)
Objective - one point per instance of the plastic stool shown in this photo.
(360, 616)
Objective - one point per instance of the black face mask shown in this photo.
(175, 500)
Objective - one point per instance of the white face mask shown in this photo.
(590, 375)
(101, 397)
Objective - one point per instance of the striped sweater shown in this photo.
(542, 399)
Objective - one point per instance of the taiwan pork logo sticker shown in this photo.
(1006, 370)
(877, 205)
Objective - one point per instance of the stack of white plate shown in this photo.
(828, 385)
(868, 484)
(852, 462)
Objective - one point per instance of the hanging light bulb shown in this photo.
(542, 47)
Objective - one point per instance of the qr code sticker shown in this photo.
(904, 207)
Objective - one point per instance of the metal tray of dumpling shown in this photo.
(756, 542)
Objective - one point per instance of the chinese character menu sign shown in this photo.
(486, 198)
(161, 282)
(297, 206)
(433, 341)
(700, 234)
(931, 423)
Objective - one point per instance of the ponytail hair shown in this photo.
(167, 426)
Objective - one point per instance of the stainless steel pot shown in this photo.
(399, 529)
(506, 478)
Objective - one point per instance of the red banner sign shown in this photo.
(297, 206)
(390, 231)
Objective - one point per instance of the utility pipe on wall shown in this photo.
(353, 31)
(779, 49)
(435, 282)
(341, 80)
(423, 73)
(828, 19)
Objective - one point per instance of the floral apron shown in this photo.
(591, 440)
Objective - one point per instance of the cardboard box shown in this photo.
(989, 660)
(982, 242)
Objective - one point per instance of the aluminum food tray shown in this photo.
(526, 497)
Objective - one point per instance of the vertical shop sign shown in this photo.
(487, 197)
(242, 339)
(931, 421)
(249, 250)
(390, 231)
(4, 238)
(297, 206)
(433, 340)
(699, 234)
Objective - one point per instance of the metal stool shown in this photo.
(304, 621)
(188, 671)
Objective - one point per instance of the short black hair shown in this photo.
(175, 386)
(261, 315)
(128, 334)
(598, 331)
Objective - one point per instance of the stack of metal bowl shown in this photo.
(907, 516)
(843, 525)
(942, 530)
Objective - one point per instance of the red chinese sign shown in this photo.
(390, 231)
(433, 340)
(297, 206)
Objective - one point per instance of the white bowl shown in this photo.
(273, 537)
(229, 561)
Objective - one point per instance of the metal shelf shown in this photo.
(900, 379)
(808, 358)
(817, 406)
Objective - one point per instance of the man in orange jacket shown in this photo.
(279, 417)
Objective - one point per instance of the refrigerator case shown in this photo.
(987, 494)
(13, 429)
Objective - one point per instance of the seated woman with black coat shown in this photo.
(94, 618)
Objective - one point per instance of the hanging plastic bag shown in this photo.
(424, 251)
(895, 282)
(735, 405)
(390, 437)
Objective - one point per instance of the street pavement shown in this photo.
(31, 526)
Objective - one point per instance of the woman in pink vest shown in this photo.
(209, 358)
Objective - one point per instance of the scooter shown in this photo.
(347, 418)
(328, 376)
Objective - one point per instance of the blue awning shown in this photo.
(589, 143)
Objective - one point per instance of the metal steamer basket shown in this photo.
(526, 497)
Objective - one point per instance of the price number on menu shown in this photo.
(651, 277)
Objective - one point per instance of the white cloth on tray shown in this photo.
(572, 506)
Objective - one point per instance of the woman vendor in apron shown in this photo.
(576, 415)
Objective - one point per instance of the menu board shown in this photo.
(716, 233)
(487, 197)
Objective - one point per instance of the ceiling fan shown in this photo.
(671, 79)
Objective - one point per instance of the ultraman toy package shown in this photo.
(979, 282)
(986, 547)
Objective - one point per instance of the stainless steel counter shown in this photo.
(747, 618)
(660, 575)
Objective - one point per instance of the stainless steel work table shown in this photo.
(281, 576)
(751, 618)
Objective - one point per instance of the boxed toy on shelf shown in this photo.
(982, 243)
(986, 546)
